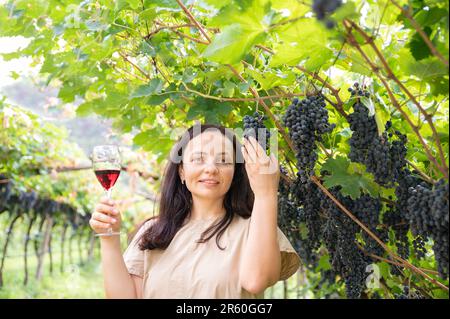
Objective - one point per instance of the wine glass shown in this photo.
(107, 166)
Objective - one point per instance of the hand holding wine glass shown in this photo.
(107, 166)
(106, 216)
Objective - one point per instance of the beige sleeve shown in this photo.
(133, 256)
(290, 261)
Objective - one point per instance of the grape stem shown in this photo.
(425, 176)
(334, 91)
(266, 108)
(246, 99)
(134, 65)
(431, 271)
(163, 26)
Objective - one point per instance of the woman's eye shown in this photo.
(225, 161)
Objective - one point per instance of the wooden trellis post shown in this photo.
(44, 246)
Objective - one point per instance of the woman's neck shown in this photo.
(207, 208)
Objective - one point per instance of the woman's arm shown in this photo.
(119, 284)
(261, 261)
(117, 281)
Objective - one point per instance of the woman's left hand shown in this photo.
(263, 171)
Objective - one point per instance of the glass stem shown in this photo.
(108, 195)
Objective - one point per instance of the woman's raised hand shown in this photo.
(262, 170)
(106, 214)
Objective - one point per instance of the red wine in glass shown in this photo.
(106, 164)
(107, 177)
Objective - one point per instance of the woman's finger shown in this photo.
(95, 224)
(251, 156)
(102, 208)
(107, 201)
(273, 159)
(103, 218)
(256, 146)
(273, 164)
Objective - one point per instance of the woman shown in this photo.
(216, 235)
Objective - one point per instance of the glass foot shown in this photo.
(108, 234)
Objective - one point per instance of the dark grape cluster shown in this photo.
(367, 209)
(288, 212)
(397, 216)
(428, 213)
(307, 121)
(358, 90)
(324, 8)
(339, 236)
(254, 126)
(5, 193)
(311, 216)
(393, 219)
(419, 212)
(408, 294)
(290, 217)
(382, 158)
(419, 247)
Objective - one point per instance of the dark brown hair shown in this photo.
(176, 200)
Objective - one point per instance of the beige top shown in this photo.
(186, 269)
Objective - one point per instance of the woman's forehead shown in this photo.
(210, 142)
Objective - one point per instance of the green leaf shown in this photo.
(324, 263)
(347, 11)
(418, 47)
(210, 110)
(218, 3)
(85, 109)
(290, 8)
(14, 75)
(148, 15)
(157, 99)
(301, 41)
(147, 49)
(134, 4)
(352, 183)
(168, 4)
(228, 89)
(232, 44)
(431, 16)
(269, 79)
(153, 87)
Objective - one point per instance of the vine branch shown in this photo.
(135, 65)
(416, 25)
(194, 21)
(334, 91)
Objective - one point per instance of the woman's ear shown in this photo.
(181, 172)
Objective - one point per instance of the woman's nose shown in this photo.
(210, 166)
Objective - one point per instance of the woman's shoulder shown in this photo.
(141, 227)
(241, 221)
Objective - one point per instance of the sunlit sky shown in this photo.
(21, 65)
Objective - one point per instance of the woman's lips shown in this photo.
(209, 182)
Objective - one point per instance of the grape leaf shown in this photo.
(352, 183)
(153, 87)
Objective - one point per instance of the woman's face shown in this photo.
(208, 165)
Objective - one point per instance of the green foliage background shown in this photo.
(149, 67)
